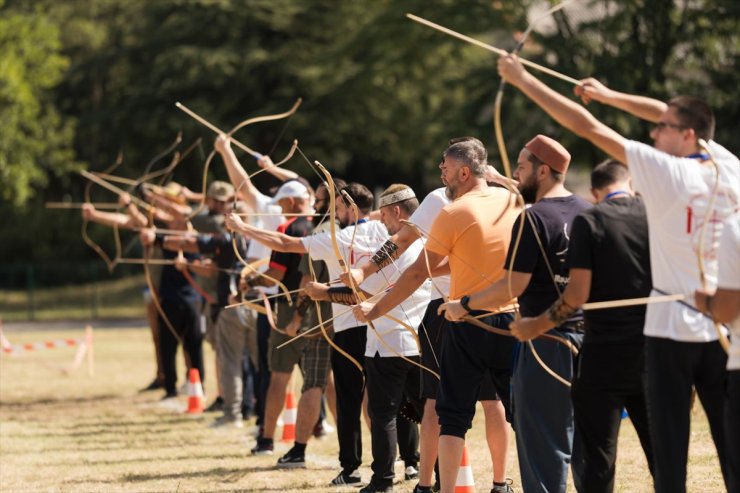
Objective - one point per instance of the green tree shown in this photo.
(35, 140)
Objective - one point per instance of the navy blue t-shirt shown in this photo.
(552, 218)
(174, 285)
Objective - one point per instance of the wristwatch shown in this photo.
(464, 303)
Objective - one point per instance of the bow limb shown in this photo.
(152, 289)
(250, 268)
(724, 342)
(110, 263)
(361, 296)
(325, 333)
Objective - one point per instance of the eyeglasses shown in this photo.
(662, 125)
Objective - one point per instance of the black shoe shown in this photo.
(216, 406)
(503, 488)
(374, 487)
(411, 472)
(422, 489)
(169, 395)
(263, 447)
(155, 385)
(350, 478)
(292, 459)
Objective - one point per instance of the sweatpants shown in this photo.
(543, 414)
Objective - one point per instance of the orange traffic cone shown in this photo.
(465, 482)
(289, 417)
(195, 392)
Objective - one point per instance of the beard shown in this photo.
(529, 190)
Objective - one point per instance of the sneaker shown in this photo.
(411, 472)
(422, 489)
(263, 447)
(374, 487)
(352, 478)
(155, 385)
(216, 406)
(292, 459)
(503, 488)
(169, 395)
(223, 421)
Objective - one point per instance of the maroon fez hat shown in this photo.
(550, 152)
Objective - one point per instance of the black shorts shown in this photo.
(431, 334)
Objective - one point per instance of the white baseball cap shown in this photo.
(289, 190)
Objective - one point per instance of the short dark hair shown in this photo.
(607, 173)
(469, 151)
(338, 185)
(695, 114)
(537, 162)
(361, 196)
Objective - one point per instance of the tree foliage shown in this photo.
(382, 95)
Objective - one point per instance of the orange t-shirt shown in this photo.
(465, 232)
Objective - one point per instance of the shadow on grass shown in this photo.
(62, 400)
(136, 460)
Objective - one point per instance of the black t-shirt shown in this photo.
(288, 263)
(611, 240)
(221, 250)
(552, 218)
(173, 284)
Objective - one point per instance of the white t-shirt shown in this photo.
(270, 221)
(369, 237)
(677, 192)
(728, 257)
(424, 217)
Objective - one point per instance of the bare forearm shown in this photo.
(641, 106)
(239, 178)
(407, 283)
(273, 240)
(723, 306)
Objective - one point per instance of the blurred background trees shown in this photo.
(81, 80)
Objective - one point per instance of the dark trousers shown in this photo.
(610, 378)
(672, 368)
(248, 403)
(732, 422)
(388, 380)
(408, 441)
(184, 318)
(262, 381)
(348, 383)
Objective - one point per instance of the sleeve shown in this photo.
(282, 260)
(442, 234)
(427, 211)
(581, 245)
(527, 252)
(728, 255)
(318, 246)
(656, 175)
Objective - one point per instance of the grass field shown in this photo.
(76, 433)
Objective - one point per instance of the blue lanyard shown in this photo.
(699, 155)
(614, 194)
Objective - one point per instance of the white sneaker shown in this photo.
(327, 427)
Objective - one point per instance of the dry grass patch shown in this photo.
(81, 434)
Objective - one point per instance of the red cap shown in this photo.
(550, 152)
